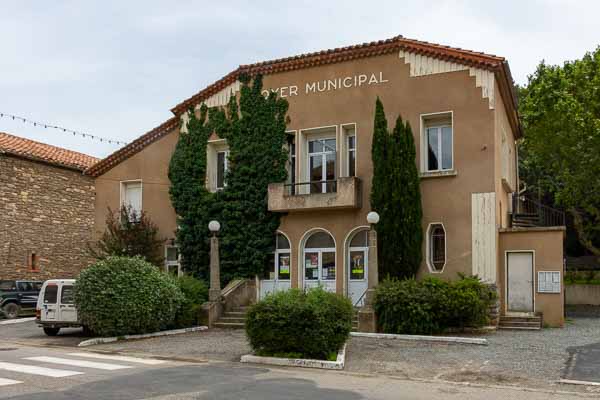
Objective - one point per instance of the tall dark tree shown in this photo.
(395, 195)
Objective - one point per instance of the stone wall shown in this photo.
(46, 210)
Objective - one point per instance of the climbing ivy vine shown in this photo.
(254, 128)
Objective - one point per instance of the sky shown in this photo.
(115, 68)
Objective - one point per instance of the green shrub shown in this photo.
(312, 324)
(126, 295)
(432, 305)
(195, 293)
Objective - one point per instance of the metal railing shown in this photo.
(527, 212)
(313, 187)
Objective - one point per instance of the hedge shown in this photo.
(297, 324)
(195, 293)
(126, 295)
(432, 305)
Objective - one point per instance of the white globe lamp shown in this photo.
(214, 226)
(372, 218)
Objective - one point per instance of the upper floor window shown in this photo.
(322, 164)
(351, 155)
(436, 254)
(437, 142)
(222, 168)
(131, 197)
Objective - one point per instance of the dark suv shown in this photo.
(17, 297)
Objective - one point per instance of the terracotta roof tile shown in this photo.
(309, 60)
(37, 151)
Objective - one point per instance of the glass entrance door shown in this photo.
(322, 165)
(319, 268)
(358, 266)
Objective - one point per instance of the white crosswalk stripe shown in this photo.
(6, 382)
(146, 361)
(78, 363)
(35, 370)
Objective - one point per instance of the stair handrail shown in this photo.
(546, 215)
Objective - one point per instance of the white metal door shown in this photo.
(49, 310)
(66, 308)
(519, 278)
(358, 265)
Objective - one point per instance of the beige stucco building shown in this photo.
(462, 108)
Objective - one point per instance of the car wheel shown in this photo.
(11, 310)
(51, 331)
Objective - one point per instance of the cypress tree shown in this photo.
(395, 195)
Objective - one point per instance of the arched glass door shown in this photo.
(319, 261)
(278, 271)
(358, 265)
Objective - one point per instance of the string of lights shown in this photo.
(61, 129)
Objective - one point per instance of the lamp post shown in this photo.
(372, 219)
(214, 293)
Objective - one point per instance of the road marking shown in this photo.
(6, 382)
(34, 370)
(16, 321)
(146, 361)
(78, 363)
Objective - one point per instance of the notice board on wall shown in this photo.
(549, 282)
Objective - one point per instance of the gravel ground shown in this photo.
(531, 358)
(213, 344)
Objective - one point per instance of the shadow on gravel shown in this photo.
(197, 382)
(583, 363)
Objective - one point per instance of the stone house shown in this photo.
(463, 110)
(46, 210)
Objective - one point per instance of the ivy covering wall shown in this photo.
(254, 128)
(396, 196)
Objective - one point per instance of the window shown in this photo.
(437, 142)
(351, 155)
(436, 255)
(66, 295)
(322, 161)
(131, 197)
(34, 262)
(172, 260)
(222, 168)
(8, 286)
(292, 161)
(50, 294)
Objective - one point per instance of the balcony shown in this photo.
(339, 194)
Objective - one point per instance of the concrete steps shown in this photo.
(355, 321)
(531, 323)
(234, 319)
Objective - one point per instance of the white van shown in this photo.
(56, 306)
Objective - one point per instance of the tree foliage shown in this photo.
(129, 234)
(254, 127)
(396, 196)
(560, 109)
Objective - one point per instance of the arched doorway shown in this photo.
(358, 267)
(319, 261)
(277, 273)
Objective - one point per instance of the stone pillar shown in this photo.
(214, 293)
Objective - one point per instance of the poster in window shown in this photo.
(314, 260)
(284, 264)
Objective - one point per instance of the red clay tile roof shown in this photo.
(467, 57)
(46, 153)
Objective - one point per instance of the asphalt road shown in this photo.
(39, 373)
(30, 333)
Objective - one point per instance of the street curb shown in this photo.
(576, 382)
(338, 364)
(16, 321)
(422, 338)
(102, 340)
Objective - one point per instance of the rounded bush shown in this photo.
(432, 305)
(293, 323)
(122, 295)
